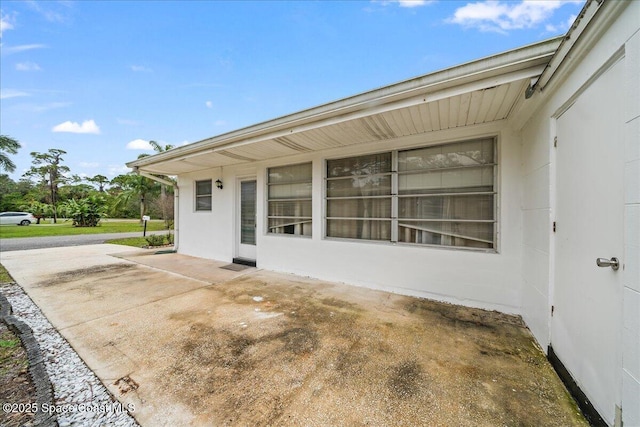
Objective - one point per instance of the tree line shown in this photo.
(49, 189)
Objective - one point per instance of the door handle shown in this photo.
(614, 263)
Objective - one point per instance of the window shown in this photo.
(289, 200)
(203, 195)
(359, 197)
(446, 195)
(440, 195)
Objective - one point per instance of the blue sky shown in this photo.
(99, 79)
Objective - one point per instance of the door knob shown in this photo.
(614, 263)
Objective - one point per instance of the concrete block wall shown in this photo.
(536, 173)
(631, 273)
(537, 210)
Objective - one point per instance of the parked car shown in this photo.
(16, 218)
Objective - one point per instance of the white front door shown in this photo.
(586, 322)
(247, 219)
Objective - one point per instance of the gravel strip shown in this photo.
(39, 377)
(79, 396)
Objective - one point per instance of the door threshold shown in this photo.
(585, 405)
(245, 261)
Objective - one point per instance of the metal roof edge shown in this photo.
(600, 11)
(519, 58)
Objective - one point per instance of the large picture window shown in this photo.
(203, 195)
(440, 195)
(289, 200)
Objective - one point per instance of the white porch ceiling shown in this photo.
(471, 108)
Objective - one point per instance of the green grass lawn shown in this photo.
(137, 242)
(65, 228)
(5, 277)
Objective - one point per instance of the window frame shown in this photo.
(307, 220)
(396, 197)
(197, 196)
(327, 198)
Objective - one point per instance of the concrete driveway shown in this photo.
(205, 345)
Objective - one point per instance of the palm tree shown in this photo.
(163, 188)
(133, 186)
(11, 146)
(159, 148)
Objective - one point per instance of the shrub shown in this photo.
(159, 239)
(85, 212)
(155, 239)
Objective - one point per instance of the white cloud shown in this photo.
(209, 104)
(27, 66)
(139, 144)
(89, 165)
(88, 126)
(113, 170)
(140, 69)
(569, 22)
(220, 123)
(10, 50)
(12, 93)
(34, 108)
(413, 3)
(498, 16)
(5, 24)
(46, 9)
(404, 3)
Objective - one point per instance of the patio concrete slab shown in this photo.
(191, 343)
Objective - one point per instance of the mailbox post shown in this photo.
(145, 218)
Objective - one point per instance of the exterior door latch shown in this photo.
(614, 263)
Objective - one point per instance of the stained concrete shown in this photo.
(192, 343)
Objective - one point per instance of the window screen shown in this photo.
(440, 195)
(203, 195)
(446, 194)
(359, 197)
(289, 200)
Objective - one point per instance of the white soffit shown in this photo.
(477, 107)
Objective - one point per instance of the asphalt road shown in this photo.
(22, 243)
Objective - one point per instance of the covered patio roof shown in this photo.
(482, 91)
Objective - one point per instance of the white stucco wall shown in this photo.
(474, 278)
(538, 175)
(209, 234)
(487, 280)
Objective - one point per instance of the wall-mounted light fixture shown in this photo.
(219, 184)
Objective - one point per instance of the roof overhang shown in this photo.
(585, 30)
(482, 91)
(592, 21)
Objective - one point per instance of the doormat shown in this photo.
(235, 267)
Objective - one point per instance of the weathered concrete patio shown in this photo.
(200, 344)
